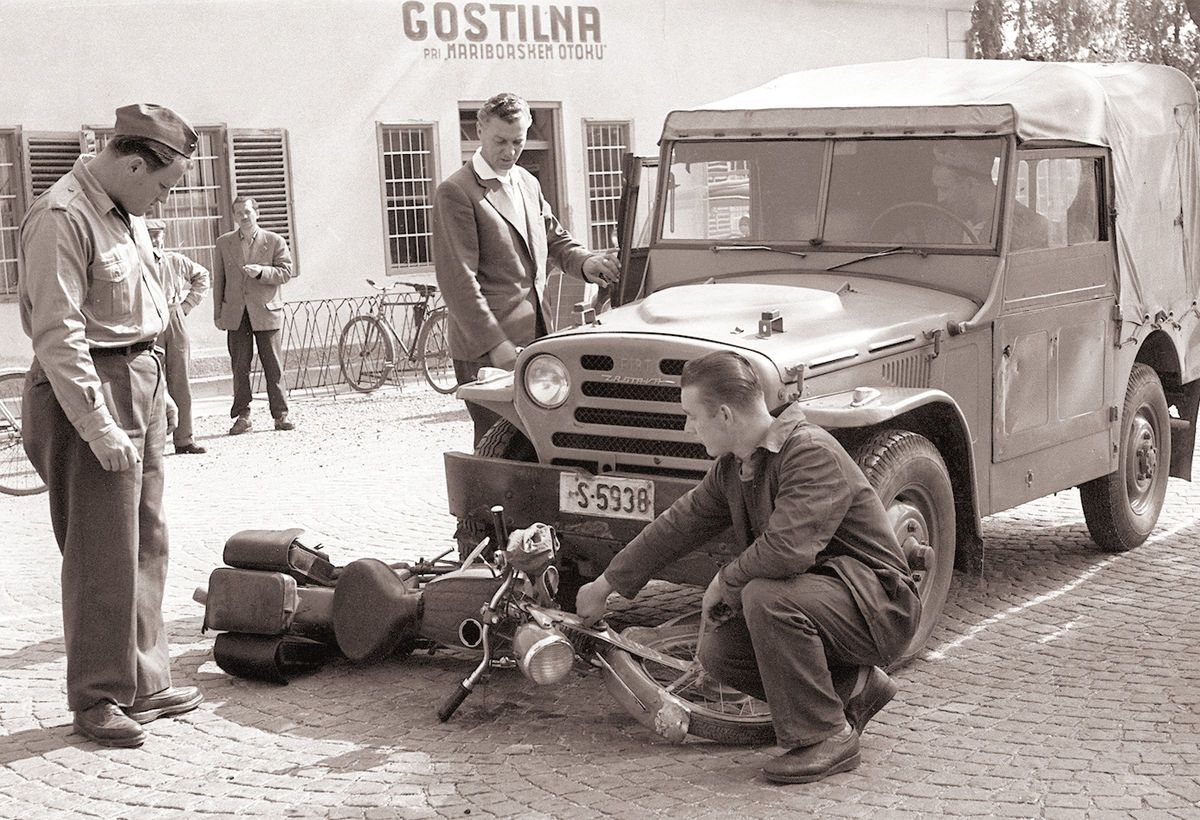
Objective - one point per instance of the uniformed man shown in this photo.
(185, 282)
(95, 417)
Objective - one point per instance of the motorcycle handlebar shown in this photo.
(452, 703)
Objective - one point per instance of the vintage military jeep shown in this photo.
(981, 276)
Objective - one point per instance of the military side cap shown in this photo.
(156, 123)
(156, 224)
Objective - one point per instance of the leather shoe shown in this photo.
(192, 449)
(174, 700)
(282, 423)
(806, 764)
(106, 724)
(875, 694)
(241, 425)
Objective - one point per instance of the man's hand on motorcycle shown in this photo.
(591, 602)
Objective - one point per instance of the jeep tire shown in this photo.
(909, 475)
(1122, 507)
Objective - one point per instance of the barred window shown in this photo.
(193, 208)
(10, 210)
(607, 143)
(407, 174)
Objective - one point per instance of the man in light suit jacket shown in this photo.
(493, 235)
(252, 264)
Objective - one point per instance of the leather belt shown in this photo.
(127, 350)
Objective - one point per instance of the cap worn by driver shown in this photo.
(157, 123)
(970, 159)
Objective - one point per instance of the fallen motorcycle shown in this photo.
(503, 606)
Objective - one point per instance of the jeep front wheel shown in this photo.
(1122, 507)
(909, 475)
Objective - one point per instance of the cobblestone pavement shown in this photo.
(1063, 682)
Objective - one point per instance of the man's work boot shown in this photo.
(805, 764)
(106, 724)
(240, 425)
(875, 694)
(282, 423)
(189, 449)
(174, 700)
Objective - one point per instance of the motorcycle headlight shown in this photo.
(543, 655)
(546, 381)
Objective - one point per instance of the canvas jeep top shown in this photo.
(980, 275)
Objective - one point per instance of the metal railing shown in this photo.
(311, 331)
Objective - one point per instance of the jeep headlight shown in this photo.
(546, 381)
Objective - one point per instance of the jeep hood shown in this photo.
(854, 318)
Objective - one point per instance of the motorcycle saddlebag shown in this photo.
(244, 600)
(279, 551)
(267, 657)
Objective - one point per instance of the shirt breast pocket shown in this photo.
(110, 296)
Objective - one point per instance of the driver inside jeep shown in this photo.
(820, 596)
(963, 203)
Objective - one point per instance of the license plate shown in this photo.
(608, 496)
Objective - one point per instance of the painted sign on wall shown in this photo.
(503, 31)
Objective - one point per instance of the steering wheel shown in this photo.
(938, 209)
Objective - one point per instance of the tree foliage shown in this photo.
(1151, 31)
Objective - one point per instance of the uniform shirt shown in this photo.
(798, 504)
(88, 279)
(184, 281)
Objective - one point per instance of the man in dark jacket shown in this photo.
(820, 597)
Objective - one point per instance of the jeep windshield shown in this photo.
(934, 193)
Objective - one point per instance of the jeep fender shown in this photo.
(496, 394)
(932, 413)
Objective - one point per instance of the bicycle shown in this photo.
(369, 343)
(17, 476)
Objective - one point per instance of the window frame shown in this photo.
(17, 183)
(588, 148)
(432, 178)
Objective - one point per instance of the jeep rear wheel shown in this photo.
(1122, 507)
(502, 440)
(909, 475)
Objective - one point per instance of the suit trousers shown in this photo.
(178, 349)
(242, 343)
(798, 644)
(111, 531)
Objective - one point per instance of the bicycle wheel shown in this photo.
(651, 691)
(434, 347)
(366, 353)
(17, 476)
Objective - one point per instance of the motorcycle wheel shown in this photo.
(714, 711)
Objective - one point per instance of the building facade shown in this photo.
(342, 116)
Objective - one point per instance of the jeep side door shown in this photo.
(1053, 346)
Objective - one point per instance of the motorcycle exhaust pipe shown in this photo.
(470, 633)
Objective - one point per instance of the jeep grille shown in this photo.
(624, 414)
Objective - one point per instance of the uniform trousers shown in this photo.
(242, 343)
(178, 353)
(111, 531)
(798, 644)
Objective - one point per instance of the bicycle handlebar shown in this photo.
(425, 289)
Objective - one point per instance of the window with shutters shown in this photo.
(262, 169)
(407, 174)
(195, 206)
(50, 156)
(606, 144)
(11, 208)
